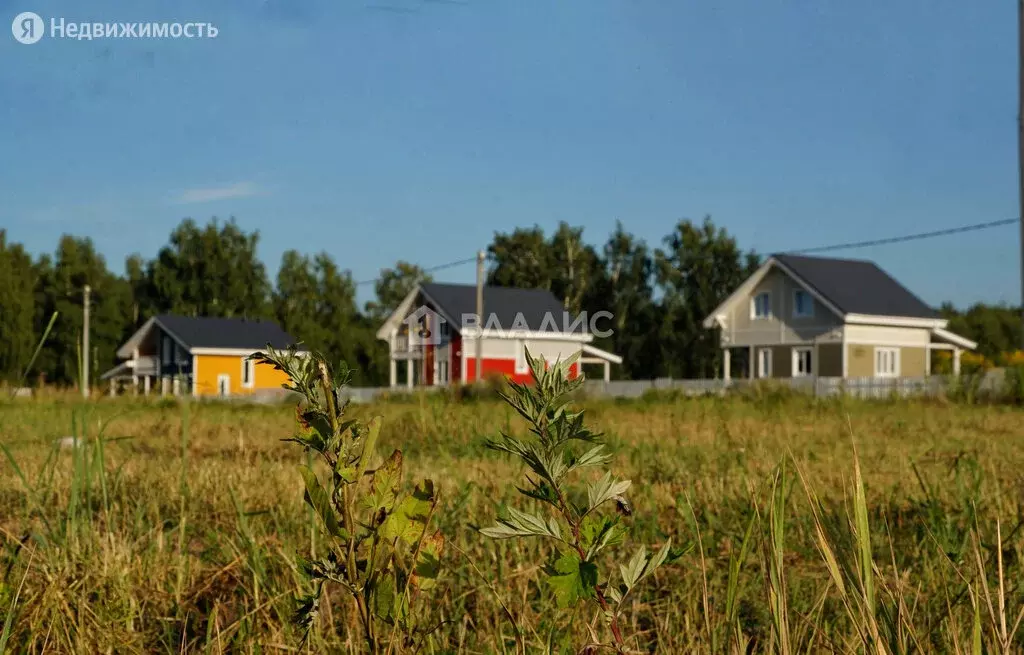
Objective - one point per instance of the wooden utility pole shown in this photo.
(480, 311)
(85, 342)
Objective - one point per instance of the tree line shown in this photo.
(658, 295)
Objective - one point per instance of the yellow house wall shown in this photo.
(209, 367)
(860, 361)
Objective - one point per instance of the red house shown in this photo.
(438, 334)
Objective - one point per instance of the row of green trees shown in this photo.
(658, 296)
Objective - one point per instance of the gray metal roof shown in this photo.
(504, 303)
(857, 286)
(240, 333)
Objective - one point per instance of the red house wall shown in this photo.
(455, 357)
(506, 367)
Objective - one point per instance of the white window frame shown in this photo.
(248, 367)
(797, 354)
(522, 366)
(442, 373)
(226, 389)
(810, 304)
(894, 359)
(753, 306)
(761, 361)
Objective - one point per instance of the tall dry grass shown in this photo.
(884, 527)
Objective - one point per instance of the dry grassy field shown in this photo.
(179, 527)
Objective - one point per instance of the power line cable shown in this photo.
(432, 269)
(907, 237)
(838, 246)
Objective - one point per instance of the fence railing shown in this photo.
(859, 387)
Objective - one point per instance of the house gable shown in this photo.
(740, 326)
(531, 312)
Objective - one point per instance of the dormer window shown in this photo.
(803, 304)
(761, 305)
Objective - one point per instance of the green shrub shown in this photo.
(574, 520)
(380, 547)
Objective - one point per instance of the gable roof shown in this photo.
(240, 333)
(503, 303)
(856, 286)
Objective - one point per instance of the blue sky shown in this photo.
(414, 129)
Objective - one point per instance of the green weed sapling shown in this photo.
(576, 519)
(380, 549)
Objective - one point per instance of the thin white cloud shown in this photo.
(209, 194)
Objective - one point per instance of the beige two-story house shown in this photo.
(800, 316)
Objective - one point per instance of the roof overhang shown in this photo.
(950, 337)
(393, 321)
(602, 355)
(121, 370)
(472, 332)
(127, 350)
(896, 321)
(239, 352)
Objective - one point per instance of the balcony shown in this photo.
(401, 348)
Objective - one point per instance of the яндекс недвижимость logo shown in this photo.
(27, 27)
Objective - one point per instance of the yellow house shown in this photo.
(201, 356)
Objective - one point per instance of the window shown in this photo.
(248, 373)
(761, 305)
(887, 362)
(443, 329)
(442, 372)
(521, 365)
(802, 364)
(224, 384)
(803, 304)
(764, 363)
(166, 350)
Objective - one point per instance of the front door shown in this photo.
(223, 384)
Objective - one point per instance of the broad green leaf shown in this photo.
(640, 566)
(369, 443)
(317, 498)
(604, 490)
(521, 524)
(409, 519)
(657, 559)
(317, 420)
(598, 532)
(571, 579)
(384, 592)
(384, 484)
(632, 571)
(541, 491)
(593, 457)
(428, 564)
(348, 474)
